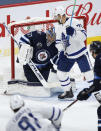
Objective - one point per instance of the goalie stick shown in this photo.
(22, 82)
(32, 65)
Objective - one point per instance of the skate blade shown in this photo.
(67, 99)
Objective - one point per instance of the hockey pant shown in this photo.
(65, 65)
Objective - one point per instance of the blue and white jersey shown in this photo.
(75, 43)
(35, 119)
(42, 50)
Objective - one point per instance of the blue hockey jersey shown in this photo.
(42, 50)
(97, 67)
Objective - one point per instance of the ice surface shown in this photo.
(82, 116)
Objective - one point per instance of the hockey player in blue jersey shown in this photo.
(95, 49)
(33, 118)
(70, 43)
(40, 47)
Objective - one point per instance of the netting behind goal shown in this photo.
(42, 24)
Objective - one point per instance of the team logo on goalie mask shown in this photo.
(42, 56)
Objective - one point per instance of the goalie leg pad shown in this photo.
(31, 77)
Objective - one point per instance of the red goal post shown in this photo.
(45, 23)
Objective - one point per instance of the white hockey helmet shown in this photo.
(59, 10)
(16, 102)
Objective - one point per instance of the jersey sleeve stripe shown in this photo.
(99, 123)
(84, 32)
(24, 40)
(57, 41)
(58, 115)
(64, 80)
(51, 118)
(66, 84)
(78, 52)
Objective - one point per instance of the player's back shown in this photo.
(26, 120)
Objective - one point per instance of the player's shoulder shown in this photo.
(35, 33)
(20, 113)
(24, 109)
(75, 23)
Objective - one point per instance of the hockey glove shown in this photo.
(70, 30)
(84, 94)
(98, 97)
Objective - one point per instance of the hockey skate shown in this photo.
(67, 95)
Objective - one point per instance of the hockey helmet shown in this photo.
(95, 47)
(59, 10)
(16, 102)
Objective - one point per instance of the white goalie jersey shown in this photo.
(76, 46)
(36, 119)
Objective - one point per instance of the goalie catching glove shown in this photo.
(25, 54)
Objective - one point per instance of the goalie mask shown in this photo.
(95, 47)
(16, 102)
(50, 36)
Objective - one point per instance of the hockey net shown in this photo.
(20, 28)
(41, 24)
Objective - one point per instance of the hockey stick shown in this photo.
(27, 83)
(11, 35)
(31, 64)
(70, 105)
(71, 21)
(72, 13)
